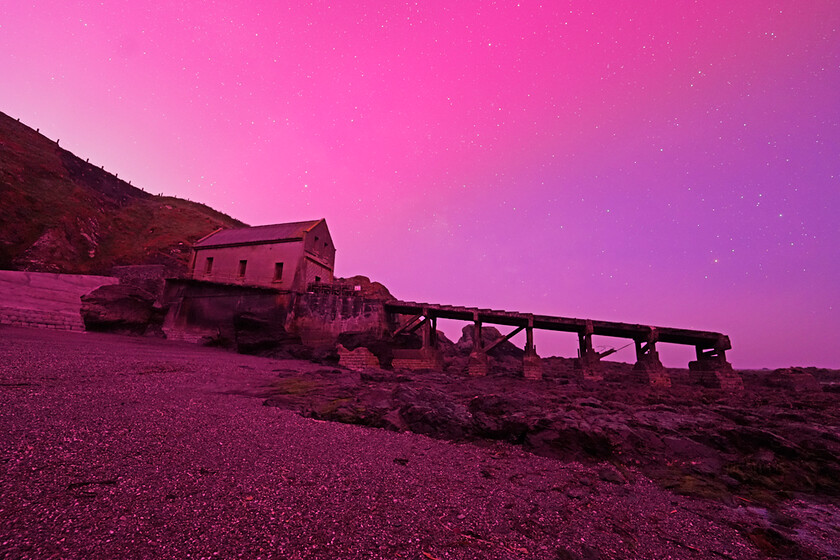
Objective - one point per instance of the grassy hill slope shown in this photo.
(62, 214)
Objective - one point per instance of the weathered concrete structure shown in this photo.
(286, 257)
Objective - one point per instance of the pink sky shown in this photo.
(665, 163)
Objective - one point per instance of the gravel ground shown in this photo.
(118, 447)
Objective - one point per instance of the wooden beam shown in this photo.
(409, 324)
(501, 339)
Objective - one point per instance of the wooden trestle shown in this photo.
(710, 347)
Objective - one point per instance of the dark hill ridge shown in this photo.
(63, 214)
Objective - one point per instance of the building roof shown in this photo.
(257, 234)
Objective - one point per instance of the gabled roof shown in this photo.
(258, 234)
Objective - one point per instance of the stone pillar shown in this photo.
(589, 362)
(648, 369)
(532, 366)
(713, 371)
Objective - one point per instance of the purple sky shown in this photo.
(673, 163)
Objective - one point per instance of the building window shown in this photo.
(242, 266)
(278, 272)
(208, 265)
(317, 279)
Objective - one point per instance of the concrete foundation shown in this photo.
(589, 364)
(715, 373)
(421, 358)
(648, 370)
(532, 366)
(479, 364)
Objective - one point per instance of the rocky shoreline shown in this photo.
(116, 447)
(769, 456)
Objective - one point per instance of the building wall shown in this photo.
(259, 271)
(319, 245)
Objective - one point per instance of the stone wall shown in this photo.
(45, 300)
(318, 318)
(359, 359)
(198, 311)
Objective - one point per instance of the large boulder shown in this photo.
(489, 335)
(118, 308)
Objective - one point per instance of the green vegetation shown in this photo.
(62, 214)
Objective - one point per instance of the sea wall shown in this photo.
(45, 300)
(199, 311)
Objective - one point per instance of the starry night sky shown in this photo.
(672, 163)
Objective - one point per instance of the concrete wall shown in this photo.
(318, 318)
(40, 299)
(199, 310)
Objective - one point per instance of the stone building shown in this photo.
(283, 256)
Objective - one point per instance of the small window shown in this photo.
(278, 272)
(317, 279)
(208, 265)
(242, 266)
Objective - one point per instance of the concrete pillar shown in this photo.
(648, 369)
(589, 362)
(711, 370)
(532, 366)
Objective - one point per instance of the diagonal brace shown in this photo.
(412, 324)
(508, 336)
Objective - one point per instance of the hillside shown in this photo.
(62, 214)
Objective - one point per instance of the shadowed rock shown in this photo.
(121, 309)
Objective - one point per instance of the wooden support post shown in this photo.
(479, 362)
(532, 366)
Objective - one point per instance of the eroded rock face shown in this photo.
(121, 309)
(265, 335)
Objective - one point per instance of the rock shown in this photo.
(500, 417)
(793, 379)
(433, 413)
(121, 309)
(362, 286)
(567, 436)
(489, 335)
(265, 335)
(609, 474)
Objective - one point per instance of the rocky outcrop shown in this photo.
(758, 447)
(121, 309)
(264, 334)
